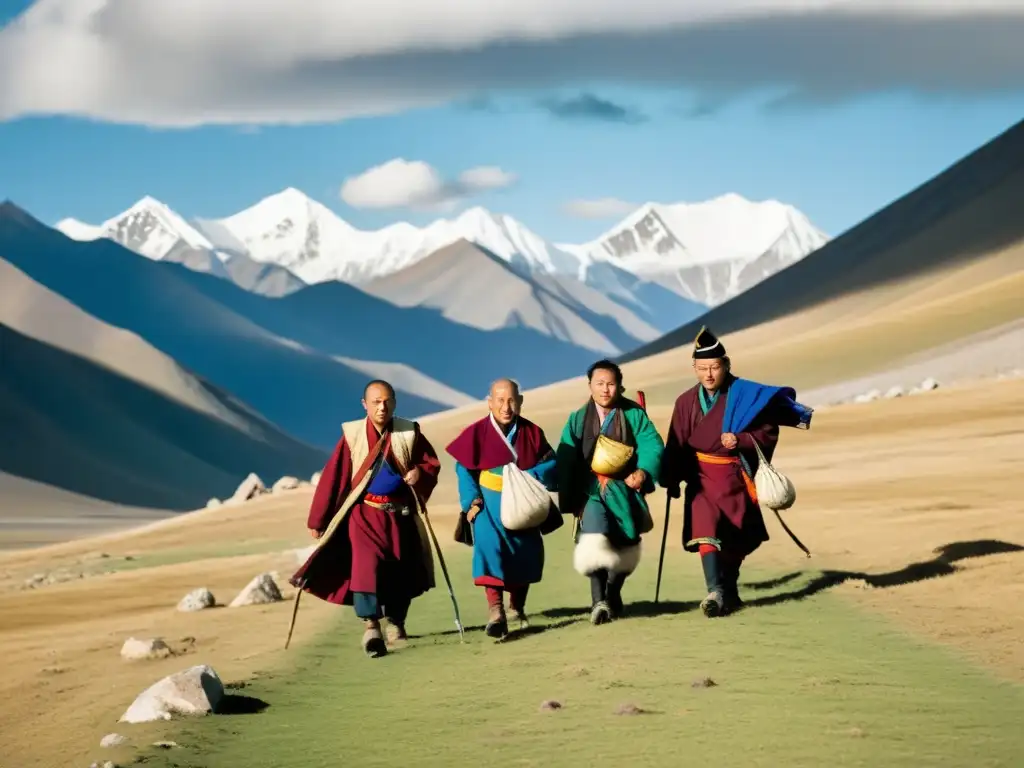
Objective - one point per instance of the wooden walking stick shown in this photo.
(664, 538)
(444, 570)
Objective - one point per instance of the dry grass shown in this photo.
(880, 487)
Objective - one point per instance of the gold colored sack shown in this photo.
(610, 456)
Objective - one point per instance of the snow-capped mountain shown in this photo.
(709, 251)
(154, 230)
(657, 261)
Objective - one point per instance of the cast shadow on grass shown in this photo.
(943, 564)
(638, 609)
(536, 629)
(240, 704)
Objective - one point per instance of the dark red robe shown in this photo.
(717, 505)
(368, 537)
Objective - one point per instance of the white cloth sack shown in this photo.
(524, 500)
(774, 490)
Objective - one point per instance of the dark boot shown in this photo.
(600, 612)
(730, 584)
(497, 623)
(517, 605)
(713, 604)
(614, 592)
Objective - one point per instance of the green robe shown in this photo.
(577, 484)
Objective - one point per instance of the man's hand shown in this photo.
(636, 479)
(474, 509)
(412, 476)
(729, 441)
(315, 533)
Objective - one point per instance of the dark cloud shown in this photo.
(807, 59)
(587, 106)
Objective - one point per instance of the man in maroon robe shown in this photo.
(722, 520)
(372, 549)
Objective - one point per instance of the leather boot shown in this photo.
(713, 604)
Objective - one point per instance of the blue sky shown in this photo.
(838, 159)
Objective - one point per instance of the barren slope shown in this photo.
(97, 411)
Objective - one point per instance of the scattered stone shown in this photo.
(703, 682)
(868, 397)
(195, 691)
(213, 503)
(315, 479)
(154, 648)
(104, 764)
(197, 600)
(249, 488)
(629, 709)
(286, 483)
(894, 392)
(550, 705)
(113, 740)
(261, 590)
(927, 385)
(165, 744)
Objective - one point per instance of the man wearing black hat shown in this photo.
(710, 448)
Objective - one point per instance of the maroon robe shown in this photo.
(717, 506)
(479, 446)
(368, 537)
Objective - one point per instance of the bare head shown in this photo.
(605, 379)
(711, 372)
(505, 401)
(379, 401)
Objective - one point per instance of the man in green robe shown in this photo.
(609, 458)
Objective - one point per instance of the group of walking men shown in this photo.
(367, 513)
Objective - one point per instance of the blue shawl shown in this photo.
(746, 399)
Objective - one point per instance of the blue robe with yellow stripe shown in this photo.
(503, 558)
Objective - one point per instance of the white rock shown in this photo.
(249, 488)
(928, 385)
(315, 479)
(154, 648)
(286, 483)
(868, 397)
(261, 590)
(113, 740)
(195, 691)
(213, 503)
(104, 764)
(896, 391)
(197, 600)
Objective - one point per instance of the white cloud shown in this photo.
(188, 62)
(401, 183)
(600, 208)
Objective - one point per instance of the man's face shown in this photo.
(710, 373)
(504, 403)
(603, 388)
(379, 405)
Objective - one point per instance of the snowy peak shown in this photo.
(723, 229)
(149, 227)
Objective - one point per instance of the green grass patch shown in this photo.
(799, 682)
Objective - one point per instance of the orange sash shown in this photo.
(707, 458)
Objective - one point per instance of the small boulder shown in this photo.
(197, 690)
(261, 590)
(894, 392)
(197, 600)
(703, 682)
(315, 479)
(104, 764)
(154, 648)
(868, 397)
(286, 483)
(550, 705)
(249, 488)
(925, 386)
(113, 740)
(629, 709)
